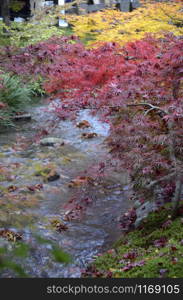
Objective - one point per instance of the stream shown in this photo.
(31, 212)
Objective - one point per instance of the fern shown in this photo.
(13, 93)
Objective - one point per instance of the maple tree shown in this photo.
(39, 60)
(138, 89)
(112, 25)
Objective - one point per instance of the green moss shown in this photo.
(157, 260)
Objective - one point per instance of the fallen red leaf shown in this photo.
(89, 135)
(83, 124)
(160, 242)
(35, 187)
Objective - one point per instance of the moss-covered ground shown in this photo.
(154, 250)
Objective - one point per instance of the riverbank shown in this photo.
(153, 250)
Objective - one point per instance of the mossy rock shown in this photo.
(47, 173)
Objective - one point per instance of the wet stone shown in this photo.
(53, 177)
(51, 141)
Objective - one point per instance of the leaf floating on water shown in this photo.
(12, 188)
(89, 135)
(10, 235)
(83, 124)
(80, 180)
(36, 187)
(59, 226)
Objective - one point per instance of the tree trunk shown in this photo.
(5, 11)
(177, 196)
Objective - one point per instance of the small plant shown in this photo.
(36, 87)
(14, 96)
(13, 93)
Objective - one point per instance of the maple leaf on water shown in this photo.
(58, 225)
(12, 188)
(83, 124)
(35, 187)
(80, 180)
(10, 235)
(89, 135)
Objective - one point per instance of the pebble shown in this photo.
(51, 141)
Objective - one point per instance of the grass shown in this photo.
(157, 244)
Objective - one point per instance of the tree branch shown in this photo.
(151, 106)
(165, 178)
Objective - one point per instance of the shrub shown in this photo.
(35, 62)
(30, 32)
(13, 93)
(122, 27)
(14, 96)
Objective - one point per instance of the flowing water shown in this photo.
(32, 212)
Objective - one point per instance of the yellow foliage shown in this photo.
(114, 25)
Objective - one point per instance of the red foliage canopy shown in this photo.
(137, 89)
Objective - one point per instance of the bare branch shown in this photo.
(148, 111)
(151, 106)
(165, 178)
